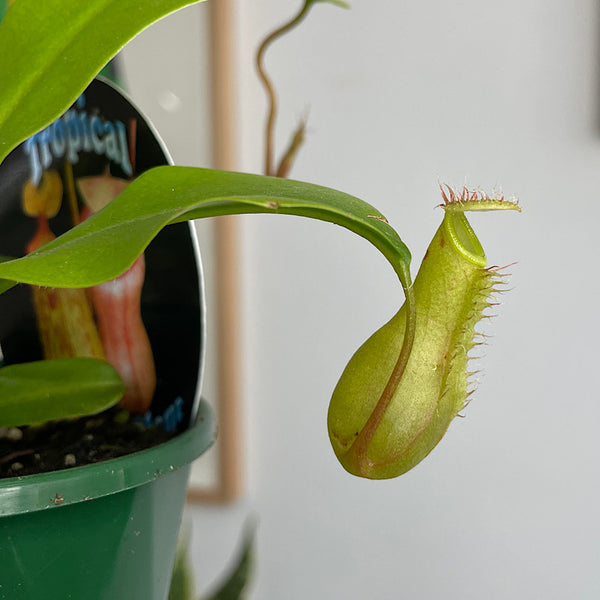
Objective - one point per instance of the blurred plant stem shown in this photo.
(285, 164)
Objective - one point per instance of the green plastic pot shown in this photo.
(101, 532)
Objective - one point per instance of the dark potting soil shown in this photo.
(65, 444)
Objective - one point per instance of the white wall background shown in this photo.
(403, 95)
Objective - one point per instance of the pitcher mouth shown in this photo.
(463, 237)
(458, 227)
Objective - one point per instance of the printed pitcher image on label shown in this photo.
(147, 322)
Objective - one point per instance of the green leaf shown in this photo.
(36, 392)
(182, 579)
(51, 50)
(107, 243)
(339, 3)
(4, 284)
(235, 586)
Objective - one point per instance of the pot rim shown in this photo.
(78, 484)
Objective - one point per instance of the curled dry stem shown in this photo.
(285, 164)
(272, 96)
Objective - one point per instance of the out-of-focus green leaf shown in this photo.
(235, 586)
(339, 3)
(36, 392)
(182, 580)
(51, 50)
